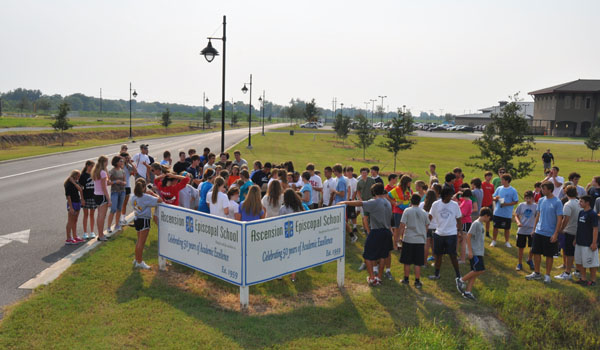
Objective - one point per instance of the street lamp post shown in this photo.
(209, 52)
(262, 101)
(372, 109)
(204, 99)
(245, 90)
(342, 109)
(134, 96)
(382, 110)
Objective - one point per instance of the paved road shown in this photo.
(33, 198)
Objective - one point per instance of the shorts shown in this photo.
(397, 218)
(586, 257)
(569, 248)
(477, 263)
(466, 227)
(116, 201)
(547, 165)
(378, 245)
(444, 244)
(502, 223)
(89, 203)
(100, 200)
(313, 206)
(524, 240)
(76, 206)
(127, 191)
(141, 224)
(542, 245)
(350, 212)
(561, 241)
(412, 254)
(430, 233)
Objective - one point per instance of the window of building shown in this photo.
(568, 99)
(588, 103)
(577, 102)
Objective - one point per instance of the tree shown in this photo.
(365, 133)
(234, 118)
(310, 111)
(505, 138)
(396, 137)
(208, 118)
(23, 104)
(166, 119)
(593, 140)
(44, 104)
(61, 122)
(341, 126)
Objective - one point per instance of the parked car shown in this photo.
(309, 125)
(437, 128)
(465, 128)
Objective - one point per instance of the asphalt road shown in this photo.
(33, 198)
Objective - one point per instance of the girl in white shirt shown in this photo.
(218, 202)
(273, 199)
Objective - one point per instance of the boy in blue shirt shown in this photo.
(506, 197)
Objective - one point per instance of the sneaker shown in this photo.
(78, 240)
(373, 282)
(531, 266)
(582, 282)
(91, 235)
(576, 274)
(388, 275)
(507, 245)
(431, 258)
(460, 285)
(534, 276)
(355, 231)
(563, 276)
(469, 295)
(85, 236)
(591, 283)
(379, 281)
(493, 244)
(547, 279)
(434, 277)
(109, 231)
(134, 262)
(103, 239)
(118, 228)
(70, 242)
(405, 281)
(362, 266)
(418, 284)
(519, 267)
(353, 238)
(561, 266)
(122, 222)
(376, 271)
(461, 262)
(142, 265)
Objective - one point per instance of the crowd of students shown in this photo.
(446, 216)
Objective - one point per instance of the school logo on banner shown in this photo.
(189, 224)
(289, 229)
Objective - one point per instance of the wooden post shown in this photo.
(244, 297)
(341, 265)
(162, 263)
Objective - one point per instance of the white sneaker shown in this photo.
(534, 276)
(109, 231)
(85, 236)
(118, 228)
(142, 265)
(91, 235)
(493, 244)
(547, 279)
(507, 244)
(122, 222)
(576, 274)
(563, 276)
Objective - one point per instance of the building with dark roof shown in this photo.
(484, 117)
(568, 109)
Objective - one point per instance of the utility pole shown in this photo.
(382, 110)
(367, 109)
(100, 100)
(334, 107)
(372, 110)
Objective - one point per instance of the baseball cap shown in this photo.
(144, 145)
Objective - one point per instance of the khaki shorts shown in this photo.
(586, 257)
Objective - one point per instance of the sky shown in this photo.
(433, 56)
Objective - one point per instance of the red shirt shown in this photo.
(170, 194)
(537, 196)
(488, 193)
(457, 184)
(388, 187)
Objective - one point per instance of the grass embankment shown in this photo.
(46, 121)
(101, 302)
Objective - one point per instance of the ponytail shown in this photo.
(140, 187)
(219, 181)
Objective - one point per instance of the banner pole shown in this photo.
(244, 297)
(341, 265)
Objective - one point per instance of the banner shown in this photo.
(201, 241)
(279, 246)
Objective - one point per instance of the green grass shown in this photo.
(45, 121)
(102, 303)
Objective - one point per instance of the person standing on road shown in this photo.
(548, 159)
(89, 203)
(73, 207)
(142, 163)
(117, 192)
(101, 195)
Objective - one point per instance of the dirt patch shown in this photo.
(490, 326)
(225, 298)
(588, 160)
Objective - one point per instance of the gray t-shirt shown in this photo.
(571, 209)
(477, 232)
(478, 193)
(114, 175)
(379, 211)
(142, 206)
(526, 213)
(597, 205)
(416, 221)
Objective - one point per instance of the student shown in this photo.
(341, 188)
(167, 161)
(193, 169)
(505, 197)
(594, 190)
(223, 158)
(547, 158)
(413, 229)
(234, 196)
(142, 201)
(430, 198)
(466, 208)
(306, 190)
(210, 164)
(477, 192)
(392, 182)
(261, 177)
(537, 191)
(142, 162)
(421, 188)
(204, 157)
(525, 219)
(568, 226)
(459, 179)
(375, 174)
(497, 181)
(586, 242)
(431, 173)
(89, 203)
(251, 208)
(190, 153)
(72, 193)
(204, 188)
(328, 186)
(239, 161)
(449, 179)
(488, 196)
(556, 180)
(233, 176)
(181, 164)
(363, 193)
(189, 195)
(169, 185)
(379, 242)
(476, 250)
(129, 170)
(574, 178)
(245, 177)
(116, 176)
(316, 184)
(282, 176)
(218, 202)
(445, 214)
(101, 194)
(291, 204)
(400, 197)
(273, 199)
(352, 183)
(548, 217)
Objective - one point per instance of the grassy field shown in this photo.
(46, 121)
(102, 303)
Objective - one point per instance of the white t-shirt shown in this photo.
(188, 197)
(328, 186)
(271, 210)
(316, 182)
(557, 190)
(218, 208)
(444, 216)
(234, 208)
(353, 184)
(139, 160)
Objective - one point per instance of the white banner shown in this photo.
(279, 246)
(203, 242)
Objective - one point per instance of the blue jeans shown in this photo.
(116, 199)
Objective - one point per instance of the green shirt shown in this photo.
(496, 182)
(364, 188)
